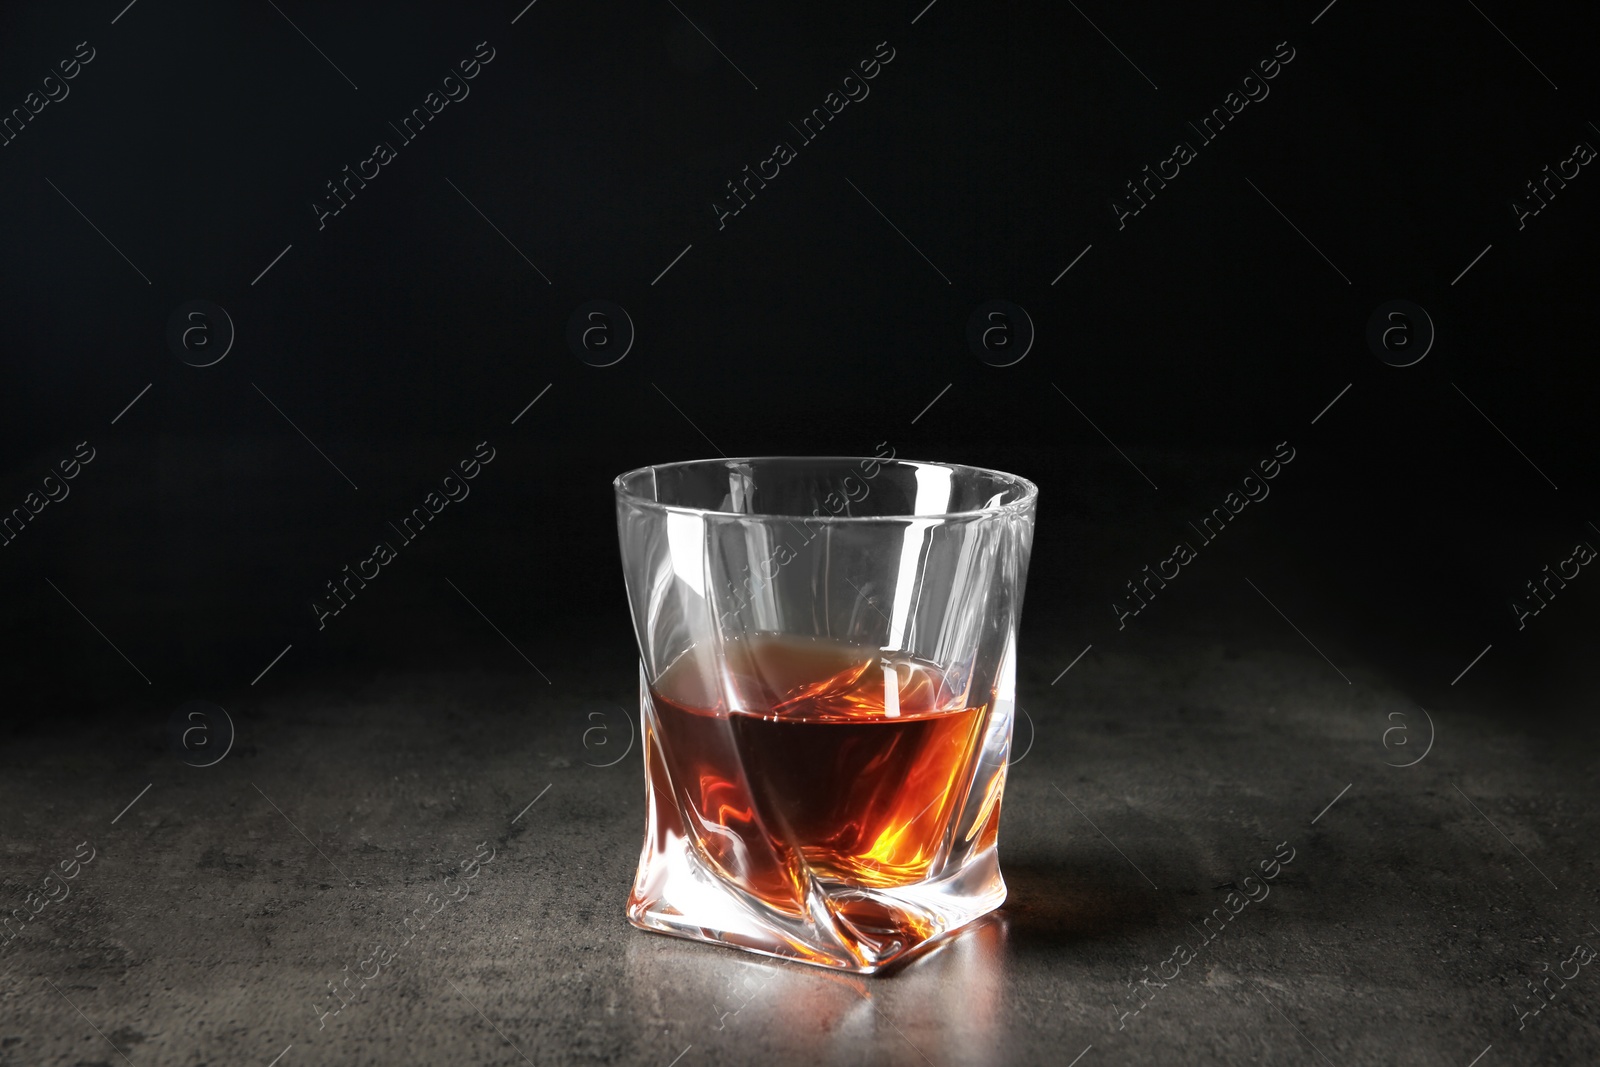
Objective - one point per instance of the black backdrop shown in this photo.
(378, 350)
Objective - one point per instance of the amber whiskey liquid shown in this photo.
(796, 758)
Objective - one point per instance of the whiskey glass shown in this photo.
(826, 694)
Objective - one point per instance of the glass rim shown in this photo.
(1030, 491)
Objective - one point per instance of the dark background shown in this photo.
(408, 330)
(479, 689)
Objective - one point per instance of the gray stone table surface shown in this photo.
(222, 905)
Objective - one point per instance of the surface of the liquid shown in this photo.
(801, 753)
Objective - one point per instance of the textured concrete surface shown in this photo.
(218, 909)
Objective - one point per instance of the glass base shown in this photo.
(845, 928)
(681, 892)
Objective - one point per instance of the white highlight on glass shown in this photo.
(686, 538)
